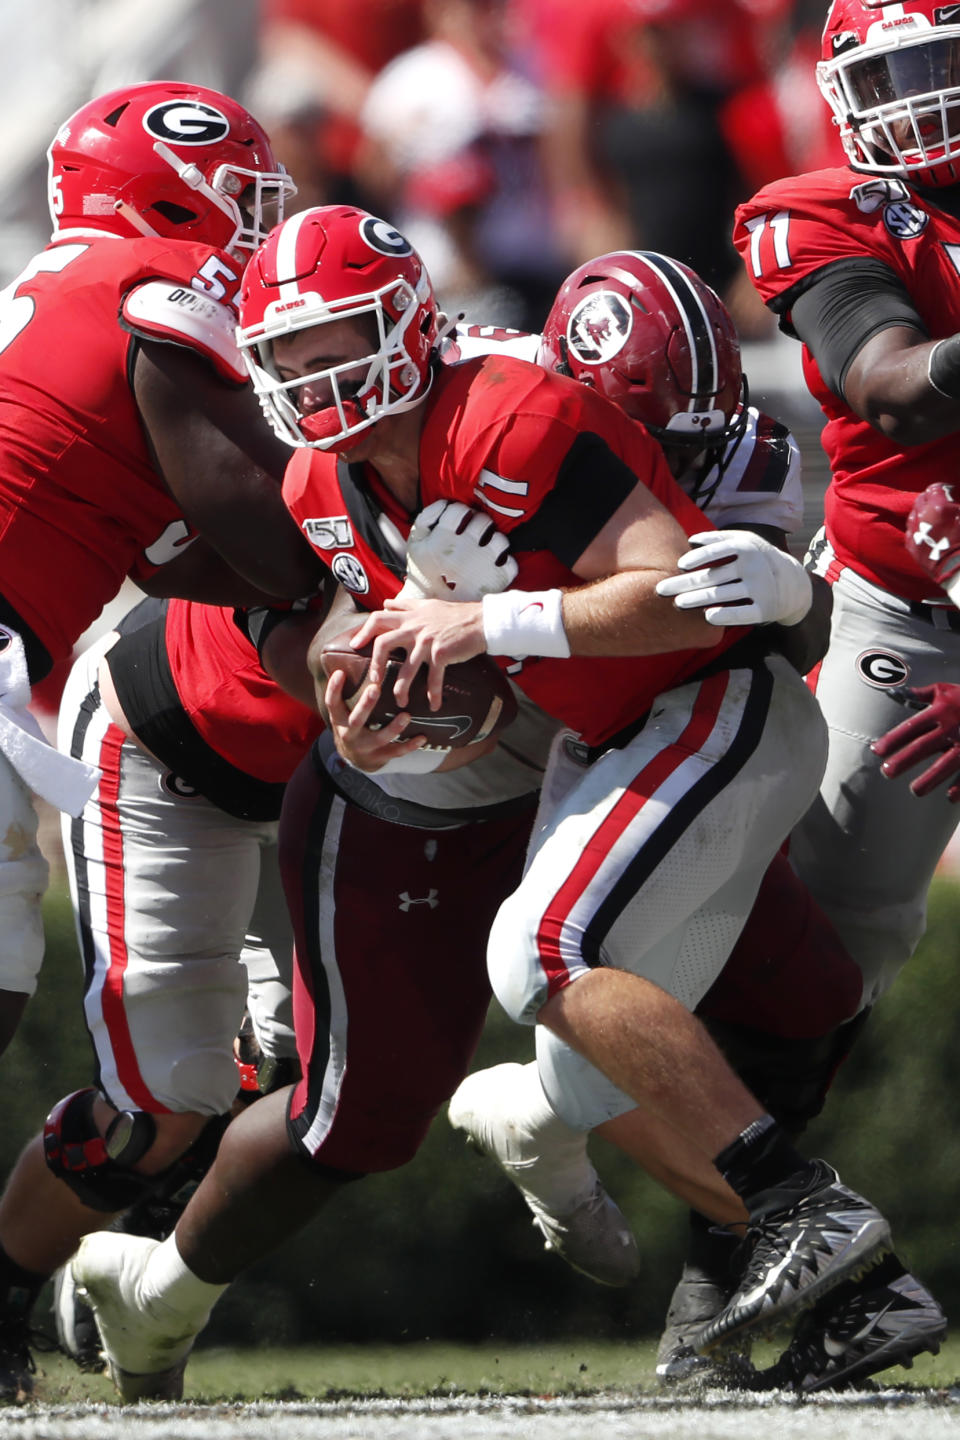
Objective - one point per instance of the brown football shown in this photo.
(477, 699)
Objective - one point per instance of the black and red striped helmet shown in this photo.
(649, 334)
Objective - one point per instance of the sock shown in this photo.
(169, 1282)
(762, 1160)
(551, 1159)
(19, 1288)
(710, 1248)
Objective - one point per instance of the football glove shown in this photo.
(740, 579)
(455, 553)
(934, 730)
(933, 536)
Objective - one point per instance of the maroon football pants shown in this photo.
(390, 980)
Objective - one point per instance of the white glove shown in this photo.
(739, 566)
(455, 553)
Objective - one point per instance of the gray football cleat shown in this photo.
(548, 1164)
(697, 1298)
(76, 1326)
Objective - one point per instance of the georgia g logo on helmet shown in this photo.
(382, 237)
(186, 122)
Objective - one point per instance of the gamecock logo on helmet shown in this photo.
(599, 327)
(186, 122)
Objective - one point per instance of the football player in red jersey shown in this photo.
(125, 428)
(861, 265)
(595, 943)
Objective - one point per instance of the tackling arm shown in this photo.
(223, 465)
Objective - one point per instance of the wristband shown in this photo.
(943, 367)
(952, 587)
(525, 622)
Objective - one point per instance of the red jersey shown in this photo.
(79, 497)
(228, 697)
(788, 232)
(550, 461)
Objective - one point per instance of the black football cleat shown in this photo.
(858, 1329)
(17, 1365)
(797, 1253)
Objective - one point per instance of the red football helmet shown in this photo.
(651, 336)
(335, 262)
(166, 159)
(891, 74)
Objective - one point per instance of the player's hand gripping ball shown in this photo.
(477, 702)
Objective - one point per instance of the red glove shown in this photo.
(934, 731)
(933, 535)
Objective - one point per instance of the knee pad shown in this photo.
(260, 1074)
(156, 1212)
(98, 1168)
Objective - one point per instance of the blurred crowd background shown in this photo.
(510, 139)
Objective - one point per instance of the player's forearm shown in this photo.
(623, 615)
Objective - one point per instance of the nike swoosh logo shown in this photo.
(838, 1348)
(459, 723)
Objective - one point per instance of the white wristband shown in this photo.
(952, 587)
(525, 622)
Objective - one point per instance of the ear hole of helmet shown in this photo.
(176, 214)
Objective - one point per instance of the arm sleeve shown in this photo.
(591, 485)
(843, 306)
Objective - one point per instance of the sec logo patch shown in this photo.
(882, 669)
(351, 574)
(905, 222)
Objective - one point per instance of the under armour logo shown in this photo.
(406, 900)
(923, 535)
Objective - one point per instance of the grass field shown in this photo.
(416, 1371)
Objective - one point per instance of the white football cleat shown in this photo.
(505, 1114)
(145, 1341)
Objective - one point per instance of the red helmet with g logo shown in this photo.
(651, 336)
(167, 159)
(336, 262)
(891, 75)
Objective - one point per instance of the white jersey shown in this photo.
(757, 482)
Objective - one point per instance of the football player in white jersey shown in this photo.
(650, 335)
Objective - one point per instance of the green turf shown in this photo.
(416, 1370)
